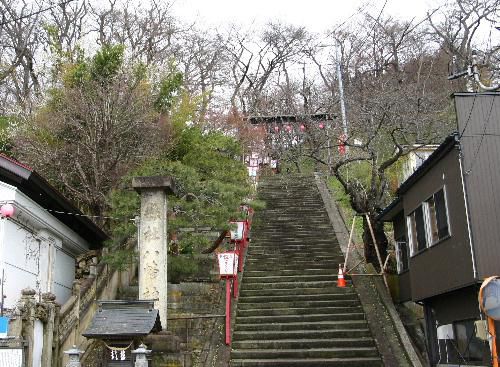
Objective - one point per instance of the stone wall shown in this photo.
(195, 310)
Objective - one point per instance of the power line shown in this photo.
(468, 118)
(486, 124)
(35, 13)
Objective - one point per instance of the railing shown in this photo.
(81, 300)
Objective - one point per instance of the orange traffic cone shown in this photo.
(340, 278)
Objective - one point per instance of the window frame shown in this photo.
(430, 240)
(400, 261)
(427, 223)
(413, 237)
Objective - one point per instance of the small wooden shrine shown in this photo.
(121, 326)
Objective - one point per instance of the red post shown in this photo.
(228, 311)
(240, 249)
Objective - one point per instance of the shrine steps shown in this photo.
(290, 310)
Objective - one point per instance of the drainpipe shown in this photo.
(466, 203)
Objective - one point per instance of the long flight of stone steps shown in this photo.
(290, 310)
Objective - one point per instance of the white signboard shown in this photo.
(238, 234)
(228, 263)
(11, 357)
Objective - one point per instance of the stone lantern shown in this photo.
(140, 356)
(74, 357)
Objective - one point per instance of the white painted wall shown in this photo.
(36, 249)
(62, 283)
(20, 256)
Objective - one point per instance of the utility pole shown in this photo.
(341, 90)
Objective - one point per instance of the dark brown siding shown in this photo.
(461, 304)
(446, 265)
(478, 117)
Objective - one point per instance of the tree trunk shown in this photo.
(380, 238)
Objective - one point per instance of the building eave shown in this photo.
(34, 186)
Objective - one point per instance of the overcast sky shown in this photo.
(316, 15)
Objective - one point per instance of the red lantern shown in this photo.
(288, 128)
(302, 127)
(7, 210)
(342, 147)
(276, 129)
(321, 125)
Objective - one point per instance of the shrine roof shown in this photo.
(119, 319)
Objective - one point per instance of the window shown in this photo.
(428, 224)
(437, 217)
(417, 234)
(402, 258)
(463, 342)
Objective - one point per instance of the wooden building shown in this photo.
(446, 222)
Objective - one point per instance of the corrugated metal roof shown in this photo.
(118, 319)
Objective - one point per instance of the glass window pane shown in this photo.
(433, 227)
(420, 227)
(441, 215)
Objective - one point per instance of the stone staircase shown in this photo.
(290, 311)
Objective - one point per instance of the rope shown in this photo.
(117, 349)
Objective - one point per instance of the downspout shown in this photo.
(466, 203)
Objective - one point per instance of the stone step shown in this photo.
(308, 362)
(304, 343)
(299, 311)
(268, 266)
(309, 325)
(265, 279)
(292, 285)
(305, 353)
(277, 272)
(244, 292)
(329, 300)
(299, 259)
(300, 318)
(301, 334)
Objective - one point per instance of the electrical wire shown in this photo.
(468, 117)
(486, 124)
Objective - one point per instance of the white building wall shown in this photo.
(36, 249)
(62, 284)
(20, 258)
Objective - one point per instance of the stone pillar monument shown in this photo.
(153, 245)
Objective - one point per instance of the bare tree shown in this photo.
(255, 62)
(455, 28)
(148, 33)
(19, 43)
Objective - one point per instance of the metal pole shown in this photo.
(341, 91)
(228, 311)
